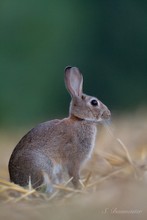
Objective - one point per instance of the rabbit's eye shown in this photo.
(94, 102)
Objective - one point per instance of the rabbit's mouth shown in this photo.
(105, 115)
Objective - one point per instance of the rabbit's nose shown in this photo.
(106, 114)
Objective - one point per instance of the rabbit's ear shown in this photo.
(74, 81)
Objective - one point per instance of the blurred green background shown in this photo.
(106, 39)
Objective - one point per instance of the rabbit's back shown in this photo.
(38, 136)
(58, 138)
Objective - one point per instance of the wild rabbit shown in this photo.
(53, 146)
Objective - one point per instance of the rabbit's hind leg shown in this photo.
(57, 175)
(52, 177)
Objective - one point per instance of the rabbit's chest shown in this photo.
(85, 140)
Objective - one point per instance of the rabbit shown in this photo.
(54, 146)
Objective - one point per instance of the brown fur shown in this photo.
(56, 145)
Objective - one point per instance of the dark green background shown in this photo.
(106, 39)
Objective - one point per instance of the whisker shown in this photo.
(120, 143)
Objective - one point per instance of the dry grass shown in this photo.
(113, 183)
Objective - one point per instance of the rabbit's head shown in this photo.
(83, 106)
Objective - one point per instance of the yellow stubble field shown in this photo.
(113, 182)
